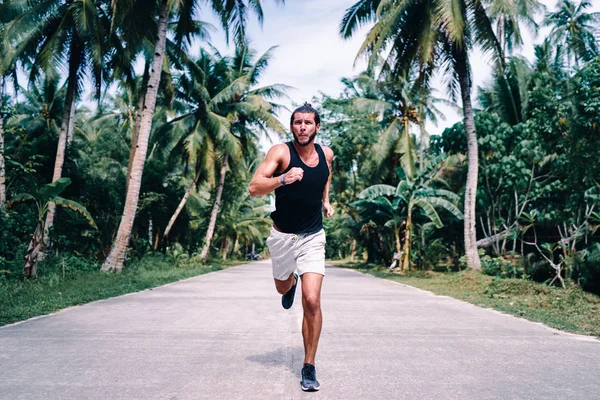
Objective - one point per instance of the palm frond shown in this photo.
(359, 14)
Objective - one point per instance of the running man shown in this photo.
(300, 174)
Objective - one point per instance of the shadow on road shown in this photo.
(287, 357)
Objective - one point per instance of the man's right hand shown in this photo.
(293, 175)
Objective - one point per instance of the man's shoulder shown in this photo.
(278, 152)
(327, 151)
(279, 149)
(279, 146)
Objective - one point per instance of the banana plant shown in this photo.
(412, 194)
(42, 198)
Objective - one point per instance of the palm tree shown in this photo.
(508, 94)
(2, 166)
(56, 34)
(2, 87)
(387, 213)
(41, 112)
(198, 133)
(392, 99)
(233, 15)
(48, 194)
(549, 58)
(245, 221)
(574, 28)
(507, 15)
(116, 258)
(3, 69)
(399, 103)
(223, 106)
(230, 97)
(425, 36)
(413, 194)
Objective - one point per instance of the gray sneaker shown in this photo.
(309, 378)
(288, 299)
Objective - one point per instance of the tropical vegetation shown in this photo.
(158, 162)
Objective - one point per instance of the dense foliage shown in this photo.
(398, 191)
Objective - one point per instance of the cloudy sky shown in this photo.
(310, 55)
(313, 58)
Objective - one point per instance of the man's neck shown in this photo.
(305, 151)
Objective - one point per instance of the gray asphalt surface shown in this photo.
(225, 336)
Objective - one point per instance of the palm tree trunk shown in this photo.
(470, 232)
(181, 205)
(63, 136)
(352, 249)
(407, 239)
(2, 167)
(409, 165)
(423, 145)
(136, 126)
(116, 258)
(71, 128)
(215, 212)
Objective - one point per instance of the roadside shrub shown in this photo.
(432, 254)
(65, 265)
(502, 267)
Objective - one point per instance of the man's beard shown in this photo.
(309, 141)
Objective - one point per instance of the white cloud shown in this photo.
(313, 58)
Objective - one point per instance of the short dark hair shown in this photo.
(306, 108)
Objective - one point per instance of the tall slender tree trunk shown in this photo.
(407, 239)
(116, 258)
(410, 167)
(215, 212)
(136, 126)
(424, 139)
(63, 137)
(464, 77)
(71, 128)
(182, 203)
(2, 166)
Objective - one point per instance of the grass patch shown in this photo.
(570, 309)
(76, 281)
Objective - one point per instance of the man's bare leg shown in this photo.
(313, 319)
(284, 286)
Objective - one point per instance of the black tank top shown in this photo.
(298, 206)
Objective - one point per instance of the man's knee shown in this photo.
(284, 286)
(280, 289)
(312, 303)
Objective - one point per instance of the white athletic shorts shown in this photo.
(291, 252)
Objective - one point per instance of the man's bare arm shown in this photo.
(327, 208)
(263, 181)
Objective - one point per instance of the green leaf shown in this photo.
(20, 198)
(51, 190)
(376, 191)
(73, 205)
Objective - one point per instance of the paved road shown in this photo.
(225, 336)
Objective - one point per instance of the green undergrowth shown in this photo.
(67, 282)
(570, 309)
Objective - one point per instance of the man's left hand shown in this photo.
(328, 210)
